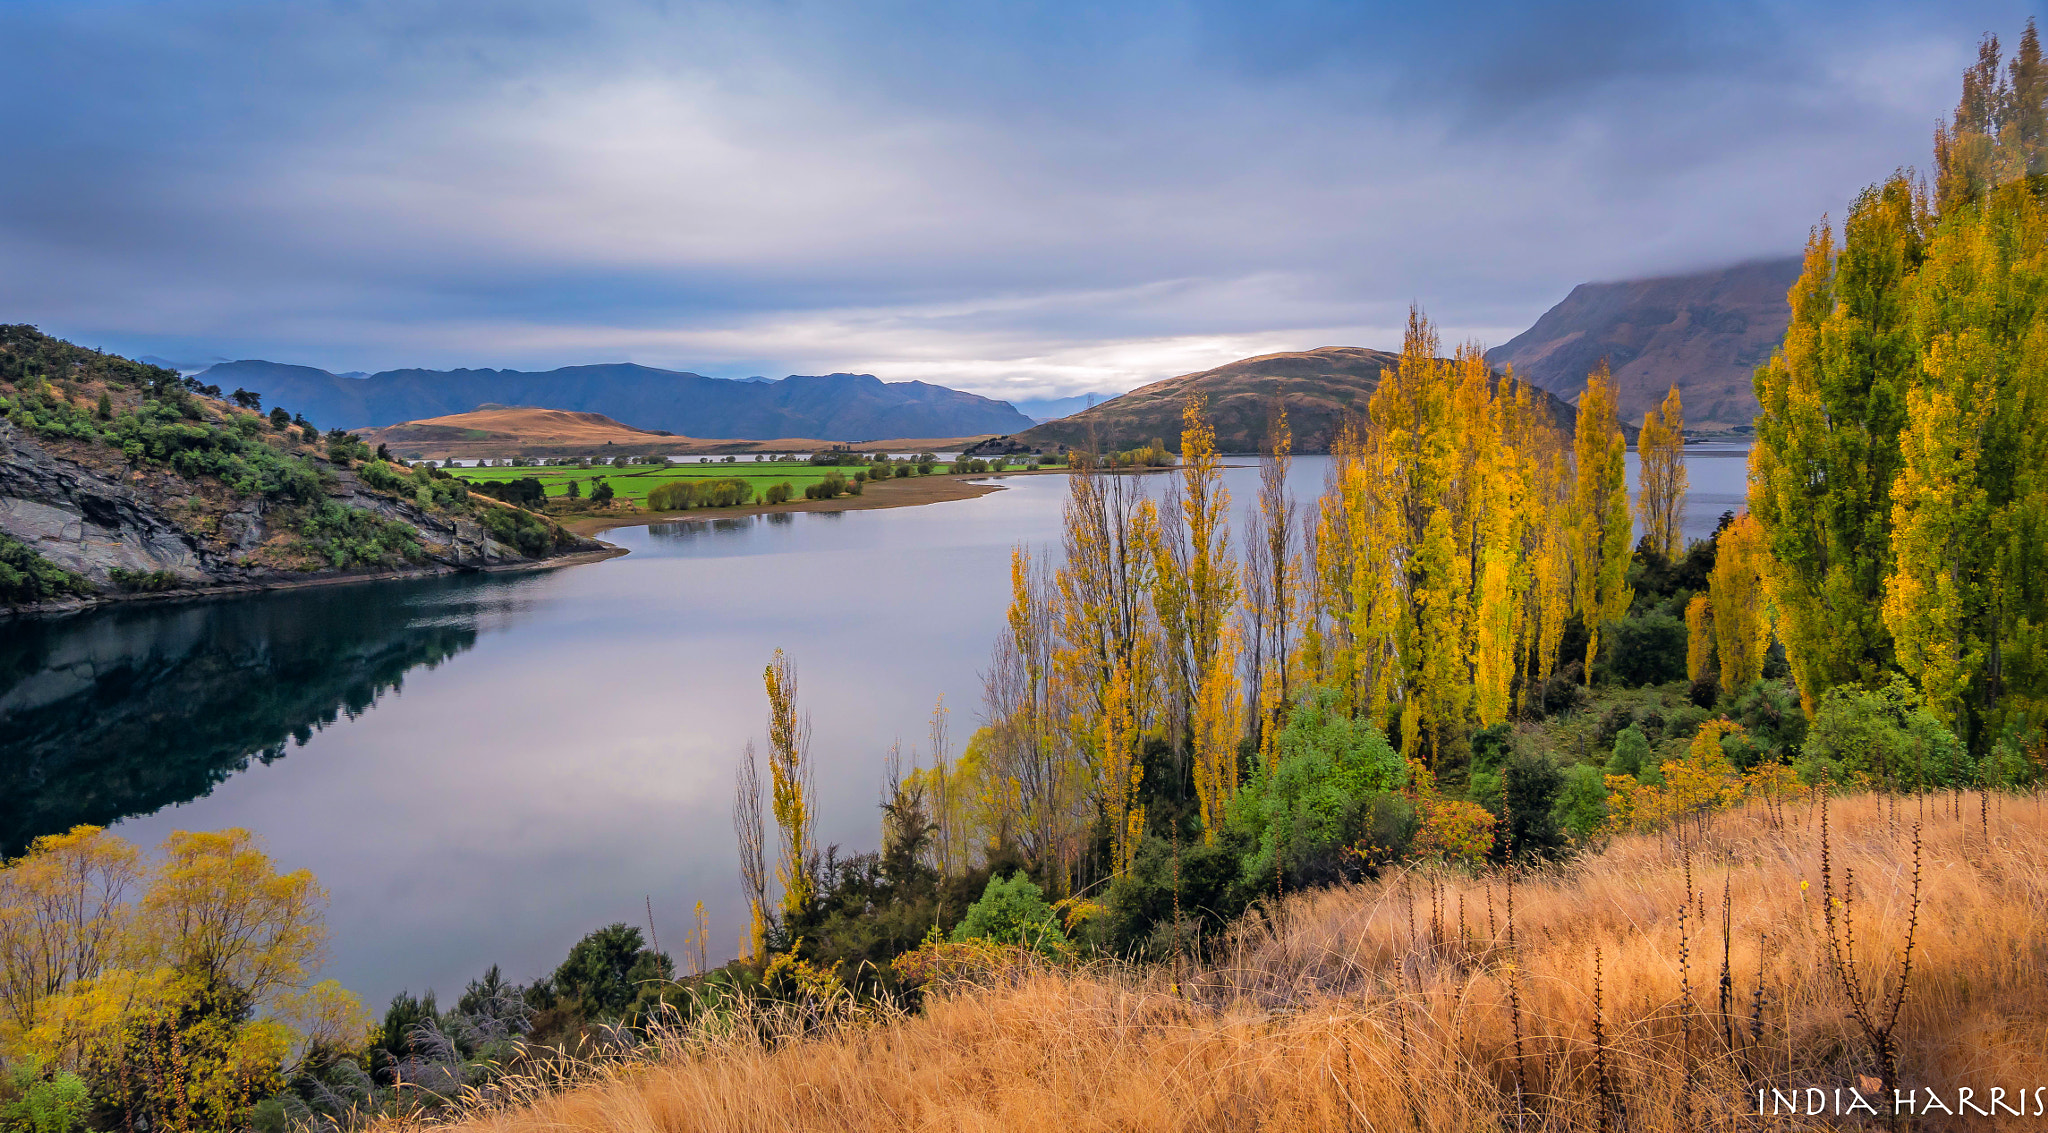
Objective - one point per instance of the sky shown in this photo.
(1026, 199)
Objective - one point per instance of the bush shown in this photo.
(1530, 784)
(142, 581)
(526, 492)
(348, 537)
(777, 493)
(26, 576)
(682, 495)
(1329, 789)
(1649, 650)
(52, 1102)
(1012, 911)
(1632, 755)
(531, 535)
(1882, 736)
(1581, 807)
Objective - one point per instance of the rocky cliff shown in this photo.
(116, 484)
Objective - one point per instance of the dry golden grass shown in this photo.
(1388, 1006)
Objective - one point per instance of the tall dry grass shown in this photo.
(1405, 1005)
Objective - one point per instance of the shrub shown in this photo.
(1649, 650)
(348, 536)
(1581, 807)
(777, 493)
(526, 492)
(379, 475)
(1632, 755)
(1012, 911)
(142, 581)
(26, 576)
(1529, 787)
(1882, 735)
(527, 532)
(1328, 789)
(681, 495)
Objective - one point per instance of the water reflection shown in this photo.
(128, 710)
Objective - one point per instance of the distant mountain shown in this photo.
(835, 407)
(1318, 387)
(1046, 409)
(1706, 333)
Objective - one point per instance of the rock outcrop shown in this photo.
(111, 523)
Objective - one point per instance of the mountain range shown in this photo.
(834, 407)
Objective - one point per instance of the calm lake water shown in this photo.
(480, 770)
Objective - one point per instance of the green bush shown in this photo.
(352, 537)
(1581, 807)
(1632, 756)
(1530, 786)
(1012, 911)
(681, 495)
(381, 476)
(26, 576)
(1329, 789)
(777, 493)
(44, 1101)
(142, 581)
(1649, 650)
(529, 533)
(1882, 735)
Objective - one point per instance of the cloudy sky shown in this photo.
(1023, 199)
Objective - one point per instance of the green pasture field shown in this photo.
(634, 481)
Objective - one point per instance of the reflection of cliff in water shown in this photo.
(126, 710)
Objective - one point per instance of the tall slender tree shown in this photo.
(1600, 510)
(1660, 497)
(789, 772)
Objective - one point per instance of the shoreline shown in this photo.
(911, 492)
(238, 589)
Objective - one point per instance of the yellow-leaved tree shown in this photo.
(1742, 635)
(182, 1006)
(789, 773)
(1660, 496)
(1600, 551)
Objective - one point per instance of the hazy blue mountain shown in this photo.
(836, 407)
(1046, 409)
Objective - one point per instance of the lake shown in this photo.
(482, 769)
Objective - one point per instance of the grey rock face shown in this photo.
(86, 522)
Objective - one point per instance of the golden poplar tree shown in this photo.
(1699, 636)
(1601, 512)
(1742, 637)
(789, 771)
(1660, 496)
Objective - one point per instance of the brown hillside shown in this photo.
(1705, 333)
(497, 427)
(1318, 388)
